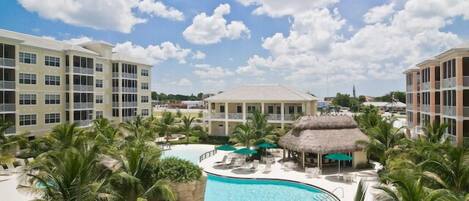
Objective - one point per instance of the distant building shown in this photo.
(387, 106)
(193, 104)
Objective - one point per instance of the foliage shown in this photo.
(178, 170)
(165, 125)
(175, 97)
(360, 195)
(398, 95)
(255, 130)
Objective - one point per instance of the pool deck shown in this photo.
(345, 191)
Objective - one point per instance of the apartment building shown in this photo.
(281, 104)
(438, 91)
(45, 82)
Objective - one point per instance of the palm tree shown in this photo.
(187, 127)
(165, 124)
(262, 130)
(243, 135)
(360, 195)
(368, 118)
(64, 136)
(106, 135)
(435, 133)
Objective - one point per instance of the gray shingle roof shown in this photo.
(262, 93)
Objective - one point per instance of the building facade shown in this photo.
(438, 91)
(281, 104)
(44, 82)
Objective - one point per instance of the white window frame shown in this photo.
(28, 58)
(52, 118)
(52, 61)
(31, 118)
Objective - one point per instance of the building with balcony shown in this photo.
(45, 82)
(282, 106)
(437, 90)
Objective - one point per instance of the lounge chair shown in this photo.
(237, 163)
(4, 172)
(12, 168)
(268, 168)
(255, 165)
(223, 160)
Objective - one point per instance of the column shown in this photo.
(209, 126)
(262, 108)
(432, 94)
(282, 114)
(227, 130)
(459, 101)
(226, 110)
(303, 109)
(244, 111)
(209, 115)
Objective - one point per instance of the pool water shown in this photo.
(231, 189)
(188, 152)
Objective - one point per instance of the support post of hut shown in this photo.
(303, 159)
(319, 165)
(283, 154)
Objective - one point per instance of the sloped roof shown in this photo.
(385, 104)
(41, 42)
(262, 93)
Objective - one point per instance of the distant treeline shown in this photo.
(170, 98)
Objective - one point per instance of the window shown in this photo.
(52, 61)
(27, 99)
(270, 109)
(99, 83)
(26, 78)
(99, 114)
(291, 109)
(222, 108)
(99, 99)
(27, 119)
(52, 80)
(299, 109)
(144, 85)
(27, 58)
(145, 112)
(239, 109)
(99, 67)
(52, 118)
(52, 99)
(144, 99)
(144, 72)
(115, 112)
(82, 62)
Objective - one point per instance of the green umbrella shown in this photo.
(266, 145)
(339, 157)
(225, 147)
(245, 151)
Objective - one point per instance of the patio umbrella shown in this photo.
(266, 145)
(339, 157)
(245, 151)
(225, 147)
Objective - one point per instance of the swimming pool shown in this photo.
(190, 152)
(234, 189)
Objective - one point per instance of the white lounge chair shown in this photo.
(223, 160)
(268, 168)
(237, 163)
(255, 165)
(12, 168)
(4, 172)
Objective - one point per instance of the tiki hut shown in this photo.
(323, 135)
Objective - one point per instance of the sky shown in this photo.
(317, 46)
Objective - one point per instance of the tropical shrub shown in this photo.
(178, 170)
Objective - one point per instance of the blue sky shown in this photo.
(320, 46)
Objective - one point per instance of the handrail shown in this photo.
(339, 188)
(207, 154)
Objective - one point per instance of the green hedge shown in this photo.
(178, 170)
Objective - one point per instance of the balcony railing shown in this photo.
(129, 118)
(425, 108)
(235, 115)
(7, 62)
(7, 107)
(466, 81)
(449, 82)
(449, 110)
(274, 117)
(437, 84)
(409, 106)
(115, 89)
(115, 74)
(466, 141)
(83, 87)
(409, 87)
(129, 104)
(83, 123)
(10, 130)
(426, 86)
(129, 75)
(115, 104)
(7, 84)
(81, 70)
(437, 109)
(289, 117)
(129, 89)
(217, 115)
(84, 105)
(451, 138)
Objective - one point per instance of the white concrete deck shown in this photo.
(345, 191)
(8, 190)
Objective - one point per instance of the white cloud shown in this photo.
(212, 29)
(183, 82)
(379, 13)
(78, 40)
(117, 15)
(154, 53)
(205, 71)
(157, 8)
(275, 8)
(198, 55)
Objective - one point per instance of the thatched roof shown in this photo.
(323, 134)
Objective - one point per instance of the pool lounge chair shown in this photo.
(223, 160)
(4, 172)
(268, 168)
(255, 165)
(237, 163)
(12, 168)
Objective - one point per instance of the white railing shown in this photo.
(409, 87)
(426, 86)
(7, 84)
(449, 82)
(217, 115)
(425, 108)
(10, 130)
(409, 106)
(8, 107)
(83, 105)
(129, 118)
(83, 87)
(449, 110)
(129, 89)
(235, 115)
(466, 111)
(466, 81)
(81, 70)
(451, 138)
(437, 109)
(289, 117)
(7, 62)
(115, 89)
(129, 104)
(83, 123)
(129, 75)
(115, 104)
(115, 74)
(274, 117)
(437, 84)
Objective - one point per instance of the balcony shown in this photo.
(80, 70)
(129, 89)
(115, 89)
(115, 74)
(409, 106)
(115, 104)
(11, 130)
(83, 105)
(425, 108)
(7, 107)
(449, 110)
(7, 62)
(217, 115)
(129, 118)
(437, 84)
(466, 81)
(289, 117)
(466, 111)
(7, 84)
(83, 123)
(235, 115)
(437, 109)
(466, 141)
(129, 104)
(409, 88)
(449, 83)
(274, 117)
(425, 86)
(129, 75)
(451, 138)
(83, 87)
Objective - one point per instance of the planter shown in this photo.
(190, 191)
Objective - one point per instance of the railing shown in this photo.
(81, 70)
(217, 115)
(426, 86)
(207, 154)
(83, 105)
(449, 82)
(274, 117)
(451, 138)
(8, 107)
(289, 117)
(83, 87)
(339, 188)
(409, 88)
(129, 104)
(129, 89)
(115, 89)
(10, 130)
(425, 108)
(7, 84)
(466, 111)
(409, 106)
(83, 123)
(235, 115)
(129, 118)
(129, 75)
(466, 141)
(437, 84)
(115, 104)
(466, 81)
(115, 74)
(449, 110)
(437, 109)
(7, 62)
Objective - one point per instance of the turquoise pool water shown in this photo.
(188, 152)
(230, 189)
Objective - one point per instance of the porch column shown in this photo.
(283, 154)
(262, 108)
(282, 114)
(244, 111)
(209, 111)
(303, 108)
(227, 130)
(209, 126)
(319, 164)
(226, 110)
(459, 102)
(303, 159)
